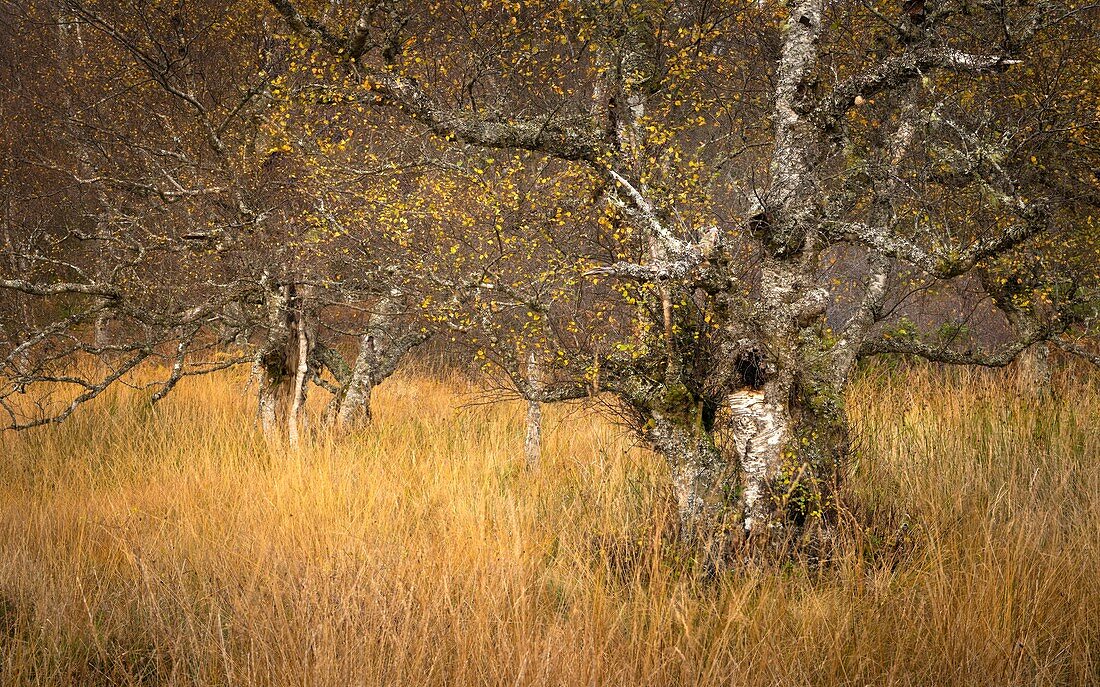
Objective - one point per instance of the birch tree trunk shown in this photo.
(792, 443)
(761, 427)
(790, 430)
(789, 427)
(388, 339)
(296, 416)
(271, 366)
(282, 364)
(532, 443)
(72, 50)
(354, 406)
(702, 480)
(1033, 370)
(18, 264)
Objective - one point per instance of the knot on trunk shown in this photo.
(811, 307)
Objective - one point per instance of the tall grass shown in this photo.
(173, 546)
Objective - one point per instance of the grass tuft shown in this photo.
(173, 546)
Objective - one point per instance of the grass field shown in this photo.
(172, 546)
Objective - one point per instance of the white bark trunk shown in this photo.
(790, 197)
(295, 417)
(282, 365)
(761, 428)
(532, 443)
(268, 404)
(699, 478)
(354, 407)
(269, 365)
(380, 349)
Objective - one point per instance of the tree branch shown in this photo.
(896, 71)
(939, 354)
(942, 264)
(59, 288)
(558, 137)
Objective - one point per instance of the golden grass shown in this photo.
(173, 546)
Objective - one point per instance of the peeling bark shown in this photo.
(761, 428)
(792, 442)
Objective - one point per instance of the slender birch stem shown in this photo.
(532, 444)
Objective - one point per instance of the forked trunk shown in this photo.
(381, 348)
(277, 391)
(283, 365)
(296, 417)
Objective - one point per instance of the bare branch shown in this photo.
(59, 288)
(943, 263)
(897, 71)
(1000, 357)
(310, 28)
(644, 209)
(559, 137)
(1075, 348)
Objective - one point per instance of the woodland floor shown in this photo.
(173, 546)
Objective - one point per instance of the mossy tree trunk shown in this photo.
(703, 481)
(1033, 369)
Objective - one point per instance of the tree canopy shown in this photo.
(705, 211)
